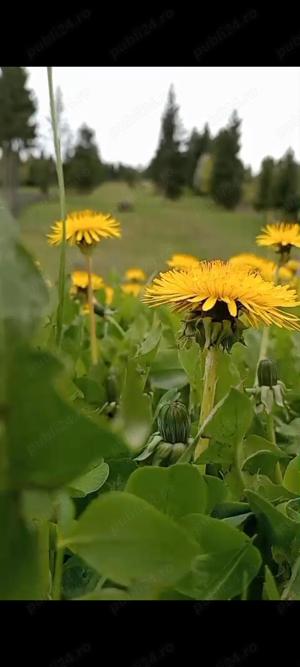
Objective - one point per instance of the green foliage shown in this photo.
(227, 172)
(167, 166)
(17, 130)
(83, 168)
(264, 196)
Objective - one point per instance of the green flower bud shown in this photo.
(111, 387)
(177, 451)
(174, 422)
(162, 453)
(267, 373)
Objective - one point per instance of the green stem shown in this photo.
(208, 396)
(93, 336)
(62, 199)
(56, 589)
(43, 551)
(238, 466)
(270, 432)
(112, 321)
(264, 344)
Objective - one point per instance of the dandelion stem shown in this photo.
(116, 324)
(270, 431)
(93, 337)
(208, 397)
(56, 590)
(62, 199)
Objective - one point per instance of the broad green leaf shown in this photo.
(172, 378)
(176, 490)
(23, 293)
(216, 492)
(290, 430)
(22, 555)
(292, 589)
(135, 418)
(230, 509)
(192, 363)
(270, 590)
(230, 419)
(93, 392)
(147, 350)
(50, 443)
(274, 525)
(227, 559)
(228, 375)
(127, 540)
(90, 482)
(263, 462)
(291, 478)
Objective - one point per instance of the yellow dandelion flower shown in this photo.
(293, 266)
(265, 267)
(281, 235)
(85, 229)
(135, 274)
(182, 261)
(223, 291)
(109, 294)
(132, 288)
(80, 280)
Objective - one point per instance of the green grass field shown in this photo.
(156, 229)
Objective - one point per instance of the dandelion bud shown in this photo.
(162, 453)
(267, 373)
(177, 451)
(173, 422)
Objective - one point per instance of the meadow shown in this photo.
(151, 233)
(148, 453)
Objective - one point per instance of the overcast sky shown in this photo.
(124, 106)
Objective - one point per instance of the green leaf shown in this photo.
(172, 378)
(90, 482)
(291, 478)
(216, 492)
(176, 490)
(275, 526)
(23, 293)
(230, 419)
(270, 590)
(93, 392)
(21, 555)
(127, 540)
(147, 350)
(50, 443)
(227, 560)
(191, 361)
(292, 589)
(135, 418)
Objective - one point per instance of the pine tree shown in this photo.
(17, 131)
(83, 169)
(264, 198)
(286, 185)
(227, 172)
(198, 144)
(167, 166)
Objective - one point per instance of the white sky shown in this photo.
(124, 106)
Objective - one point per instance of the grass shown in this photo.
(151, 233)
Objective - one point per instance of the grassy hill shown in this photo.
(151, 233)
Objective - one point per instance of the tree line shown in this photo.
(206, 165)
